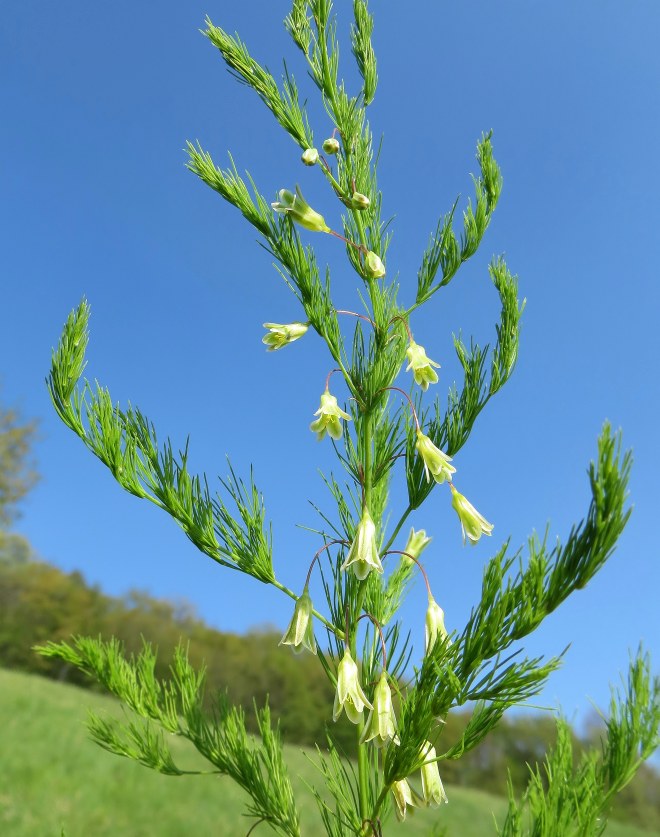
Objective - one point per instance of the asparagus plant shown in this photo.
(384, 429)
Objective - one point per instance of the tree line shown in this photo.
(40, 602)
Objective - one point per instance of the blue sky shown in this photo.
(96, 201)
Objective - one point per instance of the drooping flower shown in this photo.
(329, 418)
(331, 145)
(435, 624)
(297, 208)
(405, 797)
(363, 554)
(310, 157)
(415, 545)
(373, 265)
(381, 723)
(421, 365)
(349, 695)
(436, 463)
(473, 524)
(281, 335)
(300, 633)
(433, 791)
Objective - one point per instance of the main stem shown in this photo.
(363, 762)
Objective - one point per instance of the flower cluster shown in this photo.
(362, 557)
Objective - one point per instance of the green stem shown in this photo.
(397, 528)
(363, 763)
(379, 802)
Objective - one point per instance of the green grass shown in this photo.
(54, 780)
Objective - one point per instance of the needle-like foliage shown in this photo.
(377, 413)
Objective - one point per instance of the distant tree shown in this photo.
(17, 472)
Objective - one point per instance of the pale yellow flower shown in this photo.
(300, 633)
(473, 524)
(349, 695)
(363, 554)
(329, 418)
(421, 365)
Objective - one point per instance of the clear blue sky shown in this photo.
(97, 105)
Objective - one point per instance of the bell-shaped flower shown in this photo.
(373, 265)
(300, 633)
(421, 365)
(436, 463)
(433, 791)
(415, 545)
(473, 524)
(310, 157)
(349, 695)
(331, 145)
(363, 554)
(297, 208)
(381, 723)
(435, 624)
(281, 335)
(405, 797)
(329, 418)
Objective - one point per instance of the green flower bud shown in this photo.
(310, 157)
(435, 624)
(300, 633)
(363, 554)
(331, 145)
(359, 201)
(436, 463)
(300, 211)
(373, 265)
(421, 366)
(349, 694)
(405, 797)
(381, 723)
(281, 335)
(415, 545)
(433, 791)
(473, 524)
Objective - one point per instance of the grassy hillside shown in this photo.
(52, 778)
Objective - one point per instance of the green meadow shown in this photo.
(54, 781)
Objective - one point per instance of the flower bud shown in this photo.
(373, 265)
(363, 554)
(436, 463)
(415, 545)
(435, 624)
(359, 201)
(300, 633)
(310, 157)
(329, 418)
(349, 694)
(297, 208)
(281, 335)
(421, 366)
(473, 524)
(381, 723)
(331, 145)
